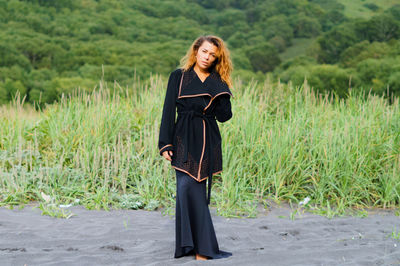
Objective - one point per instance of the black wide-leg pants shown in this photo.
(194, 230)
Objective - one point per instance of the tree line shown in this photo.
(51, 47)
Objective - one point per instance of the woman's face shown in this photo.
(206, 55)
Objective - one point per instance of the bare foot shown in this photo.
(200, 257)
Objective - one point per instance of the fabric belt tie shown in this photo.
(207, 118)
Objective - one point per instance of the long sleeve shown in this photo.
(223, 108)
(167, 126)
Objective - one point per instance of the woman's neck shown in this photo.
(201, 70)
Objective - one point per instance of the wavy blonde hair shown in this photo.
(222, 63)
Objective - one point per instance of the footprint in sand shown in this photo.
(113, 248)
(13, 249)
(290, 232)
(260, 248)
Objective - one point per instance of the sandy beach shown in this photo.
(138, 237)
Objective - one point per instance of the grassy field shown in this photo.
(357, 8)
(299, 47)
(283, 143)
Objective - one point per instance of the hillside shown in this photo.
(50, 47)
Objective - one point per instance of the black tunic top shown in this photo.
(194, 137)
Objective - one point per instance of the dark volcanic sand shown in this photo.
(137, 237)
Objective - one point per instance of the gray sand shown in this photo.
(122, 237)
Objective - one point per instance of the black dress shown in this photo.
(195, 141)
(194, 230)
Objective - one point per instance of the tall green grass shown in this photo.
(283, 143)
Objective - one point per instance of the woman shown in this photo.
(200, 93)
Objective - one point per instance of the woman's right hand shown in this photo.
(167, 155)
